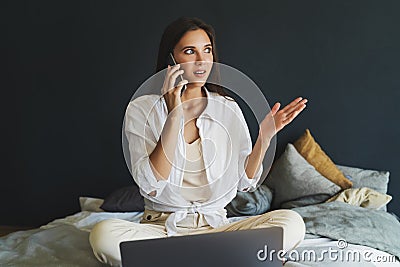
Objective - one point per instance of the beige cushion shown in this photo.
(362, 197)
(312, 152)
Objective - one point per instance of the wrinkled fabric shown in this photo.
(337, 220)
(250, 203)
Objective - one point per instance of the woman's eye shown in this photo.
(208, 49)
(189, 51)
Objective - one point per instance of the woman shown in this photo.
(186, 193)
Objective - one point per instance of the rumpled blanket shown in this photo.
(337, 220)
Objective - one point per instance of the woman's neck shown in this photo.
(192, 92)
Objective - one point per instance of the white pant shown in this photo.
(106, 235)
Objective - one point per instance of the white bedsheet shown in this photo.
(64, 242)
(371, 256)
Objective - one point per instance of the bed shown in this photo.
(344, 226)
(64, 242)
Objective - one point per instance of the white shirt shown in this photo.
(225, 142)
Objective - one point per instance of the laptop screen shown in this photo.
(247, 248)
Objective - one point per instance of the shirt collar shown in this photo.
(207, 112)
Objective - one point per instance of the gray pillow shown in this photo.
(250, 203)
(295, 182)
(376, 180)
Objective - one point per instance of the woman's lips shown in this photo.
(199, 73)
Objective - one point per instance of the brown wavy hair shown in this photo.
(171, 36)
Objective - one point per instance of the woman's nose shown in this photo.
(199, 57)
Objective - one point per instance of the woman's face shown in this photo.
(194, 53)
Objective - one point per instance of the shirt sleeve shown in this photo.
(246, 147)
(141, 142)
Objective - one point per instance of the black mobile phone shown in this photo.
(174, 62)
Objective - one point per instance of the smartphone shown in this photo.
(174, 61)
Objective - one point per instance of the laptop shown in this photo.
(247, 248)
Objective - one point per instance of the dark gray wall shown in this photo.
(70, 70)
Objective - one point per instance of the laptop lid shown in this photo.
(247, 248)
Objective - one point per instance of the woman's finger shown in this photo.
(165, 80)
(168, 84)
(292, 104)
(275, 109)
(298, 105)
(172, 68)
(293, 114)
(181, 84)
(175, 74)
(173, 77)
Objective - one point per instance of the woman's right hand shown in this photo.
(171, 94)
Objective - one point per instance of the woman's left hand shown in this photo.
(281, 118)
